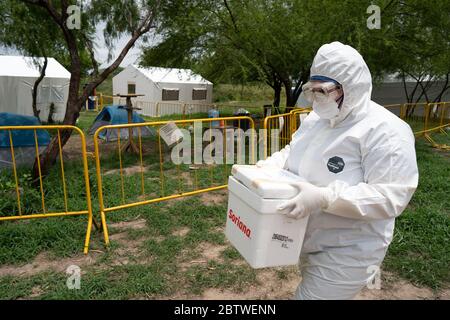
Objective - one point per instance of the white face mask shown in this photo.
(326, 110)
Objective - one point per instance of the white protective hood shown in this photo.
(345, 65)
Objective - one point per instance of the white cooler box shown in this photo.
(261, 234)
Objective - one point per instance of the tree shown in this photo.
(190, 39)
(42, 70)
(273, 41)
(133, 17)
(417, 47)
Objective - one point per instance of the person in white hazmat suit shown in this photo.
(360, 165)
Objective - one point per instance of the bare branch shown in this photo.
(61, 22)
(231, 15)
(445, 87)
(90, 49)
(387, 6)
(36, 85)
(143, 28)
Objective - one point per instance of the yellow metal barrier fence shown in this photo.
(280, 128)
(278, 132)
(424, 118)
(21, 210)
(122, 191)
(417, 115)
(397, 109)
(298, 115)
(436, 119)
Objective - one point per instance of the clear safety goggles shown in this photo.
(321, 91)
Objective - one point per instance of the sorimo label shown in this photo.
(239, 223)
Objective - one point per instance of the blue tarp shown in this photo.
(114, 114)
(21, 138)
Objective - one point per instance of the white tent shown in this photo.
(171, 88)
(17, 77)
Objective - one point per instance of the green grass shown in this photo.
(420, 251)
(238, 93)
(106, 86)
(86, 120)
(159, 261)
(160, 276)
(229, 98)
(21, 242)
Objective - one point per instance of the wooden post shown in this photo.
(129, 107)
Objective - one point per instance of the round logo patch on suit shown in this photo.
(336, 164)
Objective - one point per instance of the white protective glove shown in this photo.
(266, 164)
(309, 200)
(277, 160)
(260, 163)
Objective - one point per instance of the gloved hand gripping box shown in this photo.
(264, 236)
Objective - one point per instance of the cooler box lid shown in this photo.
(267, 182)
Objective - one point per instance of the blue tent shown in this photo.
(21, 138)
(116, 114)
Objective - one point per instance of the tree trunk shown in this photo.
(304, 76)
(423, 93)
(277, 96)
(405, 88)
(410, 109)
(276, 85)
(36, 112)
(444, 89)
(50, 154)
(290, 103)
(425, 89)
(75, 99)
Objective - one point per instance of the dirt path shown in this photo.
(269, 284)
(393, 288)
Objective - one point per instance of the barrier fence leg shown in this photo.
(427, 116)
(88, 235)
(441, 122)
(105, 228)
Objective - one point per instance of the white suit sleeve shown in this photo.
(279, 158)
(390, 179)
